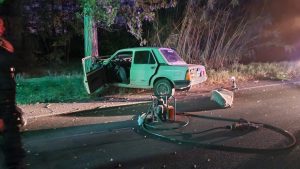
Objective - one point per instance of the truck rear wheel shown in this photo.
(163, 87)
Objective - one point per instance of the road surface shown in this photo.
(110, 138)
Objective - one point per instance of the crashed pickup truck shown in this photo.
(161, 69)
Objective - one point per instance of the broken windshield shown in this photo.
(172, 57)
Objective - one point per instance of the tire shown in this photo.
(163, 87)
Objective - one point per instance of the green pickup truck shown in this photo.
(144, 67)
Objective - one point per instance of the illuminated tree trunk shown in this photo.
(90, 34)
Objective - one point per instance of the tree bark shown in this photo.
(90, 35)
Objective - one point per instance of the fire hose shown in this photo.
(237, 125)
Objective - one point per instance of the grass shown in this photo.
(256, 71)
(57, 88)
(60, 88)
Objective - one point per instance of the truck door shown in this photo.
(143, 68)
(94, 74)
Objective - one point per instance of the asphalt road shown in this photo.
(110, 138)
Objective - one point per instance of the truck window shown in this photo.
(144, 57)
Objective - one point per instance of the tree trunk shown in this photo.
(90, 36)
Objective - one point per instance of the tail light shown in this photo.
(188, 75)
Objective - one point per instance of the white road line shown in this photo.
(270, 85)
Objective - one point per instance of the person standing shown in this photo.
(10, 116)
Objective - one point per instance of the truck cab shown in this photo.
(161, 69)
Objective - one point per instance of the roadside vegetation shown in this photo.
(68, 87)
(51, 88)
(277, 71)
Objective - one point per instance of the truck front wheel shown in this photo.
(163, 87)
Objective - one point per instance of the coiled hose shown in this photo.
(150, 129)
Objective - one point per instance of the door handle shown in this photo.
(152, 67)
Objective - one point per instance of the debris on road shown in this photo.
(222, 97)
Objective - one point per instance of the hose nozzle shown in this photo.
(243, 125)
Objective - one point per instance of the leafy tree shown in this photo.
(50, 24)
(96, 13)
(55, 21)
(133, 13)
(129, 13)
(104, 12)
